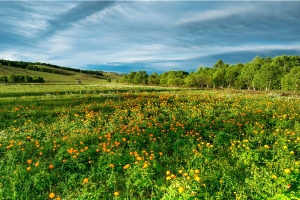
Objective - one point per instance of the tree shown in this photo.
(153, 79)
(130, 77)
(219, 64)
(108, 79)
(124, 79)
(11, 78)
(267, 77)
(141, 77)
(219, 77)
(247, 74)
(291, 81)
(232, 74)
(197, 80)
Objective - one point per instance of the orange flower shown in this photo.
(28, 168)
(51, 166)
(36, 164)
(51, 195)
(112, 165)
(85, 180)
(29, 161)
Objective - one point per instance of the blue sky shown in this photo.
(159, 36)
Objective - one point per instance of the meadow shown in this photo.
(123, 142)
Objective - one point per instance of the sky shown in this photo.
(155, 36)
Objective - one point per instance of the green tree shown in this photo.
(219, 77)
(141, 77)
(232, 74)
(153, 79)
(267, 77)
(11, 78)
(124, 79)
(291, 81)
(130, 77)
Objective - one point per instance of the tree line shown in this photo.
(34, 66)
(277, 73)
(21, 79)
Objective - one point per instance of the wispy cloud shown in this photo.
(152, 35)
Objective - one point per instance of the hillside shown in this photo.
(61, 75)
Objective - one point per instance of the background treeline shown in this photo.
(21, 79)
(280, 72)
(37, 67)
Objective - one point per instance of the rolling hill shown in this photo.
(60, 75)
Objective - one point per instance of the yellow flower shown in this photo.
(112, 165)
(168, 178)
(28, 168)
(145, 166)
(29, 161)
(36, 164)
(116, 193)
(51, 195)
(168, 172)
(197, 178)
(181, 189)
(173, 176)
(274, 176)
(287, 171)
(197, 171)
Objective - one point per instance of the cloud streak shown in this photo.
(151, 35)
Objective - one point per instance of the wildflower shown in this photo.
(51, 166)
(274, 176)
(180, 171)
(28, 168)
(111, 165)
(145, 166)
(51, 195)
(168, 178)
(173, 176)
(85, 180)
(292, 152)
(168, 172)
(287, 171)
(126, 166)
(197, 178)
(29, 161)
(181, 189)
(197, 171)
(116, 193)
(36, 164)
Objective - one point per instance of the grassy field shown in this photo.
(116, 142)
(66, 77)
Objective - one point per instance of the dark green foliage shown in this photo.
(21, 79)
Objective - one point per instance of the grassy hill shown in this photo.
(63, 77)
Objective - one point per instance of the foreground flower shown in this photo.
(287, 171)
(51, 195)
(116, 193)
(181, 189)
(85, 180)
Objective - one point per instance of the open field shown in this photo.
(117, 142)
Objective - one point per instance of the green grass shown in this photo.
(114, 142)
(66, 77)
